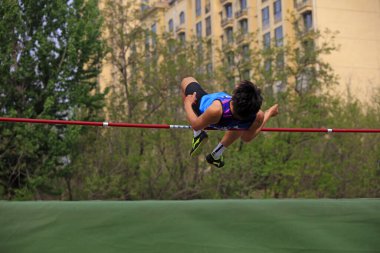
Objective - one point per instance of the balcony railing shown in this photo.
(241, 13)
(180, 28)
(303, 5)
(227, 44)
(241, 38)
(225, 1)
(148, 9)
(227, 22)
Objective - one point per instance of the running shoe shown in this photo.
(216, 162)
(198, 142)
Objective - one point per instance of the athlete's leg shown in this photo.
(185, 82)
(216, 156)
(189, 85)
(230, 137)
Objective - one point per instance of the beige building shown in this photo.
(357, 62)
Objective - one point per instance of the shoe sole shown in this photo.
(198, 150)
(213, 164)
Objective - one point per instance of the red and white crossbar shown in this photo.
(158, 126)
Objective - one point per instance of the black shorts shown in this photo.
(195, 87)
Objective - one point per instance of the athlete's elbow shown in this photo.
(196, 127)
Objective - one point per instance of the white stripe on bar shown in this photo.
(180, 126)
(105, 124)
(329, 130)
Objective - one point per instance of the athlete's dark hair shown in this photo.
(246, 100)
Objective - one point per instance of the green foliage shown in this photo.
(300, 165)
(49, 61)
(41, 161)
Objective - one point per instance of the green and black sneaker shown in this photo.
(198, 142)
(216, 162)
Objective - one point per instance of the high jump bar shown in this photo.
(165, 126)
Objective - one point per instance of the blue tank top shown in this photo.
(227, 121)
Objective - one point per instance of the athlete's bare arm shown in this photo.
(210, 116)
(261, 120)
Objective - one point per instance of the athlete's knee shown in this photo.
(186, 81)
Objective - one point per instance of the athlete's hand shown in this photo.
(191, 99)
(273, 111)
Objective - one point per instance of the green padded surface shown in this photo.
(191, 226)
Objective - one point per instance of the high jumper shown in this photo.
(239, 114)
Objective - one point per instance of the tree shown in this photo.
(49, 62)
(147, 69)
(296, 76)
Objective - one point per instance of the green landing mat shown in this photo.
(191, 226)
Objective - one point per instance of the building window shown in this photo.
(308, 20)
(266, 40)
(277, 11)
(304, 80)
(280, 61)
(244, 26)
(144, 5)
(154, 28)
(278, 34)
(209, 50)
(171, 25)
(199, 29)
(209, 68)
(198, 8)
(228, 8)
(154, 32)
(182, 37)
(308, 45)
(230, 35)
(147, 41)
(208, 26)
(182, 18)
(245, 51)
(280, 58)
(230, 59)
(298, 4)
(246, 75)
(279, 86)
(265, 17)
(231, 80)
(268, 65)
(207, 6)
(243, 4)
